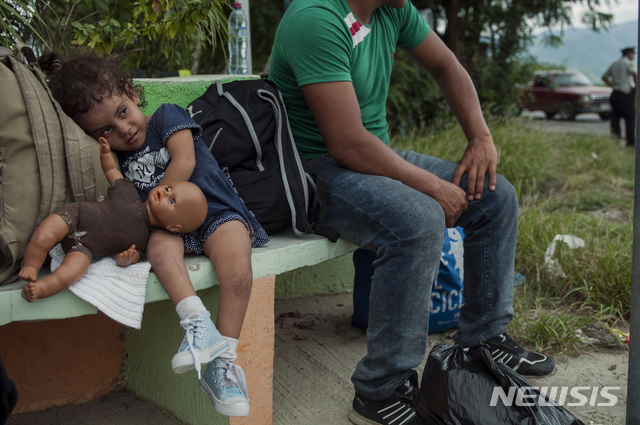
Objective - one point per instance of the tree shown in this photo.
(509, 20)
(489, 36)
(17, 21)
(265, 16)
(161, 32)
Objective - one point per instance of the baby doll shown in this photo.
(89, 230)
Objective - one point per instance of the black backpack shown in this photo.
(245, 126)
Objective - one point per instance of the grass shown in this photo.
(579, 185)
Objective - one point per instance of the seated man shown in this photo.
(332, 62)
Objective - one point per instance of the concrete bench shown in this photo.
(68, 352)
(61, 350)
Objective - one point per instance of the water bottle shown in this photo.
(237, 41)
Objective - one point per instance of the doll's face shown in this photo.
(179, 207)
(119, 120)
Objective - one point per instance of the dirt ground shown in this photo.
(317, 350)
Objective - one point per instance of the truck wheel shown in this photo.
(550, 115)
(567, 110)
(605, 116)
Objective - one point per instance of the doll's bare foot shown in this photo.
(30, 292)
(28, 274)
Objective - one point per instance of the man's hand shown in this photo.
(480, 158)
(104, 146)
(451, 199)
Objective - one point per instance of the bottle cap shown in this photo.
(237, 5)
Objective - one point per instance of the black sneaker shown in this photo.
(398, 409)
(505, 350)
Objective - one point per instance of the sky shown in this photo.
(623, 11)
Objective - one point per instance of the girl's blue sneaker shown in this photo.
(201, 344)
(226, 386)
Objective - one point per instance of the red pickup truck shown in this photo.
(565, 92)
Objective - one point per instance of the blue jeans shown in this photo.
(405, 228)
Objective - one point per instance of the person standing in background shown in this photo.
(622, 76)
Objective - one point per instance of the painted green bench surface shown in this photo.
(285, 252)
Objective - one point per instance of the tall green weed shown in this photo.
(579, 185)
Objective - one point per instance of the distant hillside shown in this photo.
(587, 51)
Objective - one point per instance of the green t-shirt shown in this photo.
(321, 41)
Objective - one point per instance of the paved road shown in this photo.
(584, 124)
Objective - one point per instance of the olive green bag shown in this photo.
(46, 160)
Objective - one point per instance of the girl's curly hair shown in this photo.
(84, 80)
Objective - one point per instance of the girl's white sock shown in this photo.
(190, 308)
(230, 355)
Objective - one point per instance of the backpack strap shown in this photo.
(303, 174)
(52, 172)
(79, 159)
(28, 54)
(247, 122)
(303, 181)
(295, 218)
(319, 186)
(4, 52)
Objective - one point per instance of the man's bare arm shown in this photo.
(337, 112)
(481, 156)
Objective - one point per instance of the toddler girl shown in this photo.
(158, 150)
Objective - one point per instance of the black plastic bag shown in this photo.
(459, 386)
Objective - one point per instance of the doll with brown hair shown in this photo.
(119, 223)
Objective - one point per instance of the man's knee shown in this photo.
(421, 223)
(501, 203)
(506, 192)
